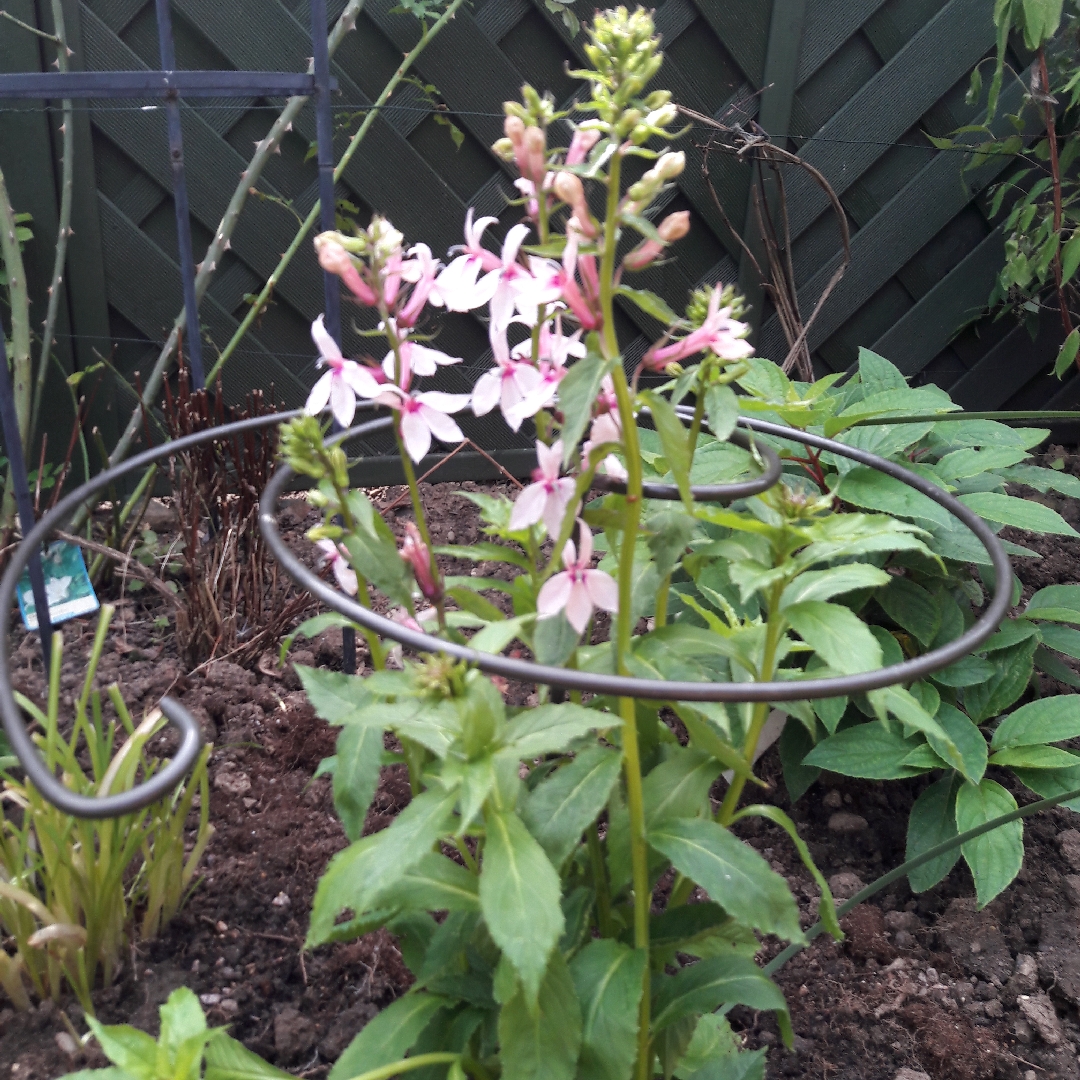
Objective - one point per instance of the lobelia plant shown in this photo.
(601, 916)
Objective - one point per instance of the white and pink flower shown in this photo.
(341, 384)
(547, 498)
(507, 384)
(459, 287)
(336, 558)
(579, 589)
(423, 416)
(719, 333)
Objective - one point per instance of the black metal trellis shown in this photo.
(171, 85)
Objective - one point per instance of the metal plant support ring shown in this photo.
(721, 493)
(654, 689)
(163, 782)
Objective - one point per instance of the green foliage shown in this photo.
(184, 1046)
(70, 888)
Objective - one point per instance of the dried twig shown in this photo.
(126, 562)
(780, 283)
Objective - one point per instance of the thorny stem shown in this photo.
(639, 851)
(761, 709)
(1055, 172)
(55, 38)
(64, 229)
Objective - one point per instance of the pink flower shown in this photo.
(334, 259)
(507, 384)
(421, 271)
(606, 428)
(460, 286)
(547, 498)
(578, 589)
(417, 554)
(583, 141)
(519, 287)
(424, 415)
(343, 572)
(416, 359)
(341, 384)
(719, 333)
(555, 350)
(584, 304)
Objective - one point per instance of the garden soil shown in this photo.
(922, 986)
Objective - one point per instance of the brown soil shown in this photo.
(920, 982)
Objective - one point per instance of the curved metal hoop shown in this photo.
(159, 785)
(722, 493)
(625, 686)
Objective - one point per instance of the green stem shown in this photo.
(662, 595)
(761, 709)
(635, 801)
(935, 852)
(695, 425)
(64, 228)
(421, 1061)
(28, 28)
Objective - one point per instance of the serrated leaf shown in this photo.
(1055, 603)
(550, 729)
(995, 857)
(932, 822)
(679, 786)
(722, 407)
(1012, 673)
(870, 751)
(1062, 639)
(559, 809)
(336, 697)
(228, 1059)
(825, 584)
(540, 1040)
(836, 634)
(519, 895)
(608, 981)
(357, 875)
(484, 551)
(389, 1036)
(1047, 720)
(435, 883)
(708, 984)
(1019, 513)
(129, 1049)
(356, 775)
(654, 306)
(1035, 757)
(1066, 357)
(732, 873)
(674, 441)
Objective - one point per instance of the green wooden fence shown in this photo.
(854, 86)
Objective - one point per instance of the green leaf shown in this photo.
(497, 635)
(312, 628)
(374, 556)
(932, 822)
(608, 981)
(1062, 639)
(1070, 260)
(967, 739)
(554, 640)
(1047, 720)
(795, 743)
(722, 406)
(878, 374)
(995, 857)
(825, 584)
(653, 305)
(389, 1036)
(541, 1040)
(129, 1049)
(708, 984)
(910, 712)
(484, 551)
(1049, 783)
(1020, 513)
(227, 1059)
(182, 1018)
(870, 751)
(910, 606)
(1035, 757)
(1012, 672)
(519, 895)
(674, 441)
(435, 883)
(967, 671)
(679, 787)
(746, 1065)
(356, 775)
(560, 808)
(357, 875)
(335, 696)
(1066, 358)
(670, 533)
(577, 393)
(732, 873)
(873, 490)
(968, 462)
(1042, 479)
(110, 1073)
(836, 634)
(1055, 603)
(550, 729)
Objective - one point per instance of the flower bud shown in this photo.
(660, 118)
(415, 552)
(674, 226)
(535, 147)
(582, 143)
(504, 149)
(670, 165)
(647, 252)
(569, 188)
(514, 129)
(333, 258)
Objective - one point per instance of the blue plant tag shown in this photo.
(67, 587)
